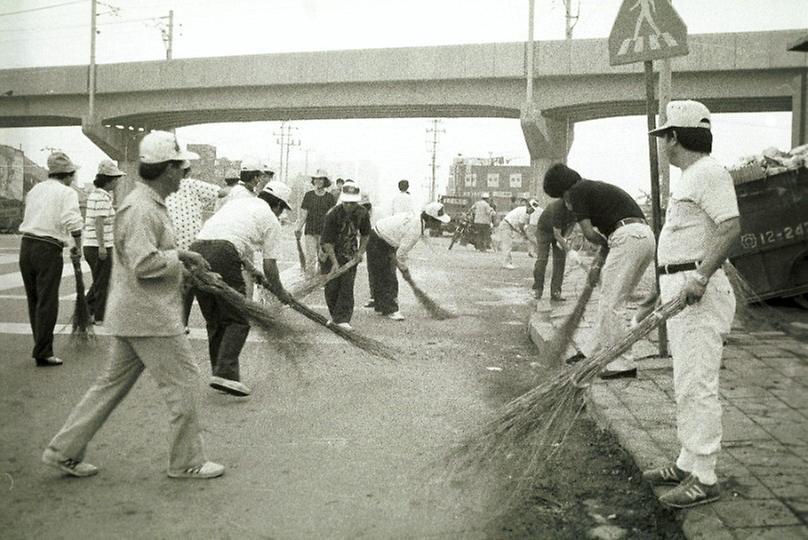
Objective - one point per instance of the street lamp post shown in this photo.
(91, 76)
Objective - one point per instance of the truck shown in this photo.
(772, 251)
(455, 207)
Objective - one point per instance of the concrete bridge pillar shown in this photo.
(120, 145)
(799, 110)
(548, 141)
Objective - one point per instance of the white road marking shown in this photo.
(13, 280)
(8, 259)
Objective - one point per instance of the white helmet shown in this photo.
(435, 210)
(279, 190)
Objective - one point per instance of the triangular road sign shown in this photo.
(646, 30)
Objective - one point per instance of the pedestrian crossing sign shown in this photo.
(646, 30)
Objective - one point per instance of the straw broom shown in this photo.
(435, 311)
(369, 345)
(552, 352)
(82, 327)
(301, 257)
(530, 429)
(308, 286)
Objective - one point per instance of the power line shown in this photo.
(42, 8)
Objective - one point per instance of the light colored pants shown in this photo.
(631, 250)
(171, 364)
(311, 248)
(696, 341)
(506, 236)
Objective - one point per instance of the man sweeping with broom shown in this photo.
(51, 218)
(240, 227)
(701, 226)
(391, 239)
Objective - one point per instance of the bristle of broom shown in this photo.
(531, 428)
(81, 322)
(369, 345)
(432, 307)
(306, 287)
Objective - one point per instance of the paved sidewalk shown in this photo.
(763, 467)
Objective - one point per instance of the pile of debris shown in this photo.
(769, 162)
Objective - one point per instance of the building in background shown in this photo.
(17, 175)
(210, 168)
(507, 184)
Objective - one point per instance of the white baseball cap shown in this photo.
(435, 210)
(250, 164)
(534, 203)
(320, 173)
(161, 146)
(350, 192)
(107, 167)
(685, 114)
(278, 189)
(485, 195)
(266, 169)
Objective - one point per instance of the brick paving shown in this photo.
(763, 466)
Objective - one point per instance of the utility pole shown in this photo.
(571, 20)
(529, 67)
(285, 141)
(167, 31)
(435, 131)
(91, 75)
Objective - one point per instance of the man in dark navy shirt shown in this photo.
(608, 217)
(553, 226)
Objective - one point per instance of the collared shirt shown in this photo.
(236, 191)
(342, 231)
(52, 209)
(401, 231)
(603, 204)
(517, 218)
(482, 212)
(556, 216)
(99, 204)
(402, 202)
(185, 207)
(703, 197)
(144, 296)
(248, 224)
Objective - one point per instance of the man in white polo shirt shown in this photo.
(701, 225)
(513, 226)
(240, 228)
(51, 218)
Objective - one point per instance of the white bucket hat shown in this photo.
(59, 163)
(684, 114)
(161, 146)
(435, 210)
(350, 192)
(107, 167)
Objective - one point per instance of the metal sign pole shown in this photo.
(650, 112)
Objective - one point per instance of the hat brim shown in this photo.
(661, 130)
(444, 218)
(347, 197)
(327, 181)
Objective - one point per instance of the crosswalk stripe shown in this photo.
(669, 39)
(653, 42)
(13, 280)
(8, 259)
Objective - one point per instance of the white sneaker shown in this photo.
(206, 470)
(395, 316)
(234, 388)
(508, 266)
(73, 467)
(344, 326)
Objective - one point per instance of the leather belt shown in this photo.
(674, 268)
(628, 221)
(47, 239)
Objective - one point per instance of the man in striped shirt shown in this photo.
(98, 240)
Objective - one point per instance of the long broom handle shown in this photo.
(300, 255)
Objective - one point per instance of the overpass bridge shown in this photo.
(730, 72)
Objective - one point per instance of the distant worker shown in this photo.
(316, 203)
(611, 218)
(336, 191)
(98, 238)
(513, 226)
(555, 223)
(231, 236)
(344, 239)
(402, 202)
(186, 207)
(482, 216)
(252, 173)
(531, 230)
(143, 318)
(231, 178)
(701, 226)
(50, 220)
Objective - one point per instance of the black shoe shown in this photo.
(624, 374)
(557, 298)
(50, 361)
(574, 359)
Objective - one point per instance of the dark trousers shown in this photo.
(227, 328)
(187, 304)
(482, 236)
(101, 271)
(544, 240)
(381, 259)
(41, 267)
(339, 296)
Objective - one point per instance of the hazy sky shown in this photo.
(612, 149)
